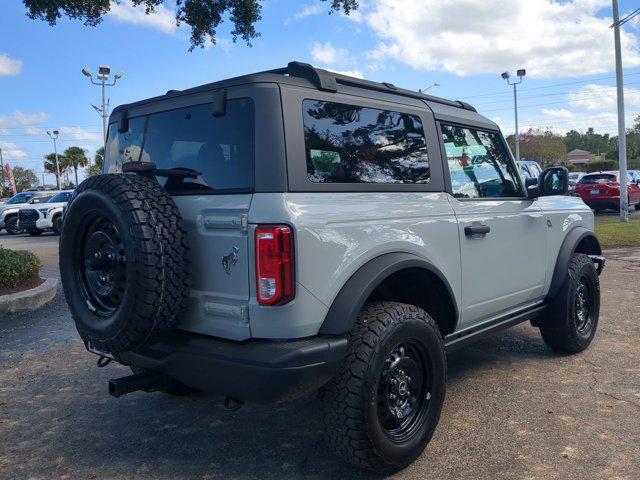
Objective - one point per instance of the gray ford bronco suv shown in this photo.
(296, 230)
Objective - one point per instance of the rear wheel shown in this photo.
(11, 224)
(383, 406)
(573, 316)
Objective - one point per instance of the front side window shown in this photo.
(354, 144)
(221, 149)
(479, 164)
(19, 198)
(61, 197)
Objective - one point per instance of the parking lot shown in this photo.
(513, 409)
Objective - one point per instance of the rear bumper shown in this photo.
(258, 370)
(604, 202)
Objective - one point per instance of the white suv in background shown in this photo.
(39, 217)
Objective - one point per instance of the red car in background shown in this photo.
(601, 190)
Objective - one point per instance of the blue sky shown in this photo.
(463, 45)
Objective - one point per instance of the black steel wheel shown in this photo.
(382, 407)
(403, 390)
(123, 262)
(101, 265)
(573, 316)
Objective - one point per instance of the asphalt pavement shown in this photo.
(514, 410)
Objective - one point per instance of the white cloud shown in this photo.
(350, 73)
(11, 151)
(163, 18)
(327, 53)
(598, 97)
(547, 37)
(19, 119)
(9, 66)
(307, 11)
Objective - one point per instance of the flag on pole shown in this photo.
(12, 182)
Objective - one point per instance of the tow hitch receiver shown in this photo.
(148, 381)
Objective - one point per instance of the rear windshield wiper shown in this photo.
(149, 168)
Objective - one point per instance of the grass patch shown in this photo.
(17, 267)
(612, 233)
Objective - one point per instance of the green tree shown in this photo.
(203, 16)
(98, 162)
(50, 165)
(25, 178)
(545, 147)
(75, 157)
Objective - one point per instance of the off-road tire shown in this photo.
(350, 401)
(11, 226)
(560, 329)
(152, 261)
(34, 232)
(56, 224)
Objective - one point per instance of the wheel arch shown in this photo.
(578, 240)
(375, 280)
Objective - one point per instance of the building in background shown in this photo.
(582, 157)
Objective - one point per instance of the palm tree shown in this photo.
(75, 157)
(50, 165)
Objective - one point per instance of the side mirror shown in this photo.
(554, 181)
(531, 184)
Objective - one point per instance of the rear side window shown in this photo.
(600, 178)
(479, 164)
(221, 149)
(354, 144)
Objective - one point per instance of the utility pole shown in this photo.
(506, 75)
(54, 136)
(103, 77)
(622, 141)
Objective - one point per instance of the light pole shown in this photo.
(622, 141)
(506, 75)
(103, 77)
(54, 136)
(430, 86)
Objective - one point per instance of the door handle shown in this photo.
(476, 230)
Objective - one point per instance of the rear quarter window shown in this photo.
(355, 144)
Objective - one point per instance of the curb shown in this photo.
(29, 299)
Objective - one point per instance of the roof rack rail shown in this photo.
(328, 81)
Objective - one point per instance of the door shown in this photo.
(502, 233)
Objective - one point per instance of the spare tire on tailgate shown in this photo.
(123, 261)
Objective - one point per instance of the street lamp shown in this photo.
(430, 86)
(103, 80)
(520, 74)
(54, 136)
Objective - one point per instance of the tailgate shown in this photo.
(217, 233)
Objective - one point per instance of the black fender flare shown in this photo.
(568, 248)
(354, 293)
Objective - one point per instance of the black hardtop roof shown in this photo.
(303, 74)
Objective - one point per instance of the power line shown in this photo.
(544, 86)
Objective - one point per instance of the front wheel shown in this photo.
(382, 407)
(573, 316)
(11, 225)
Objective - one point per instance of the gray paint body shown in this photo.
(338, 228)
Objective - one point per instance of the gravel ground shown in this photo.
(513, 409)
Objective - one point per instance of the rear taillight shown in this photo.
(274, 264)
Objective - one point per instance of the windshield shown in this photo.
(220, 148)
(61, 197)
(19, 198)
(40, 199)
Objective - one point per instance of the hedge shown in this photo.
(16, 266)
